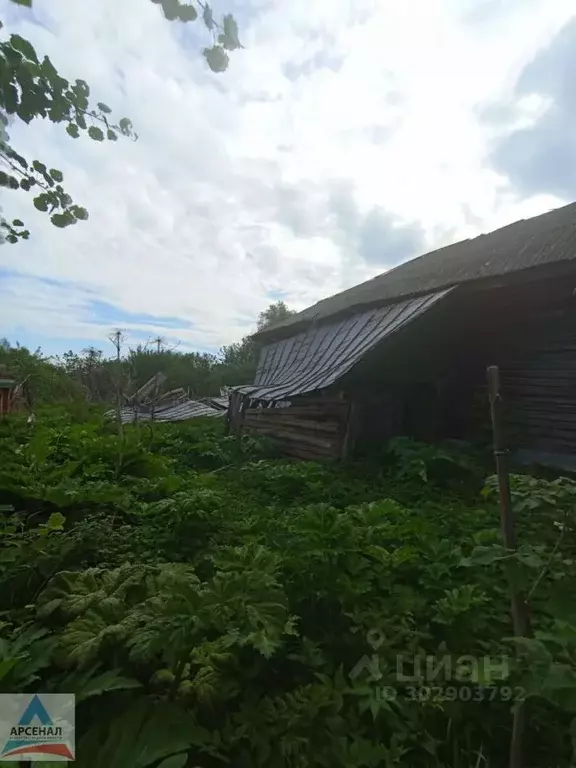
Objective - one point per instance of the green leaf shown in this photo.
(17, 223)
(142, 735)
(15, 156)
(171, 9)
(80, 121)
(217, 58)
(208, 17)
(79, 212)
(24, 47)
(111, 136)
(56, 521)
(12, 239)
(9, 97)
(72, 130)
(81, 91)
(39, 167)
(41, 202)
(25, 3)
(62, 220)
(108, 681)
(56, 175)
(104, 108)
(125, 126)
(230, 39)
(95, 133)
(6, 665)
(9, 181)
(187, 13)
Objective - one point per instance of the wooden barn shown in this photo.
(406, 352)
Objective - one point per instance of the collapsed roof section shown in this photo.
(149, 403)
(181, 410)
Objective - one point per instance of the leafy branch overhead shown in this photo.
(225, 34)
(32, 88)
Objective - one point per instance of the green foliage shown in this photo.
(211, 605)
(276, 313)
(45, 382)
(31, 87)
(420, 463)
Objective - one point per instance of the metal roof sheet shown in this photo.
(321, 354)
(181, 411)
(220, 402)
(545, 239)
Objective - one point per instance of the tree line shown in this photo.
(92, 374)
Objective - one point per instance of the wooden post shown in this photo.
(241, 415)
(235, 416)
(520, 618)
(349, 435)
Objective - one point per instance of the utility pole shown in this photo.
(117, 338)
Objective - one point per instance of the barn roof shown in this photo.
(542, 240)
(320, 354)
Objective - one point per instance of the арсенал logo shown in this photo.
(37, 727)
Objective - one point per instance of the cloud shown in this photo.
(343, 139)
(541, 157)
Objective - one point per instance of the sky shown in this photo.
(345, 138)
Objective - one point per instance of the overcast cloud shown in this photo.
(541, 156)
(347, 137)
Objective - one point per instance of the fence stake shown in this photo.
(519, 608)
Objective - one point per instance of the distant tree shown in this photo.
(241, 358)
(32, 88)
(91, 371)
(274, 314)
(46, 382)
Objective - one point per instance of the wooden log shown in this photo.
(303, 412)
(330, 427)
(300, 452)
(297, 437)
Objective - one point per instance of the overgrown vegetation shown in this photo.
(32, 88)
(91, 376)
(210, 604)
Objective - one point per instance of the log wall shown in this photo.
(314, 429)
(539, 384)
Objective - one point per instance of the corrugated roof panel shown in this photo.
(189, 409)
(321, 354)
(219, 402)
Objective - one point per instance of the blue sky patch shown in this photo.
(108, 313)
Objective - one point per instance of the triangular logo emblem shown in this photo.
(36, 734)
